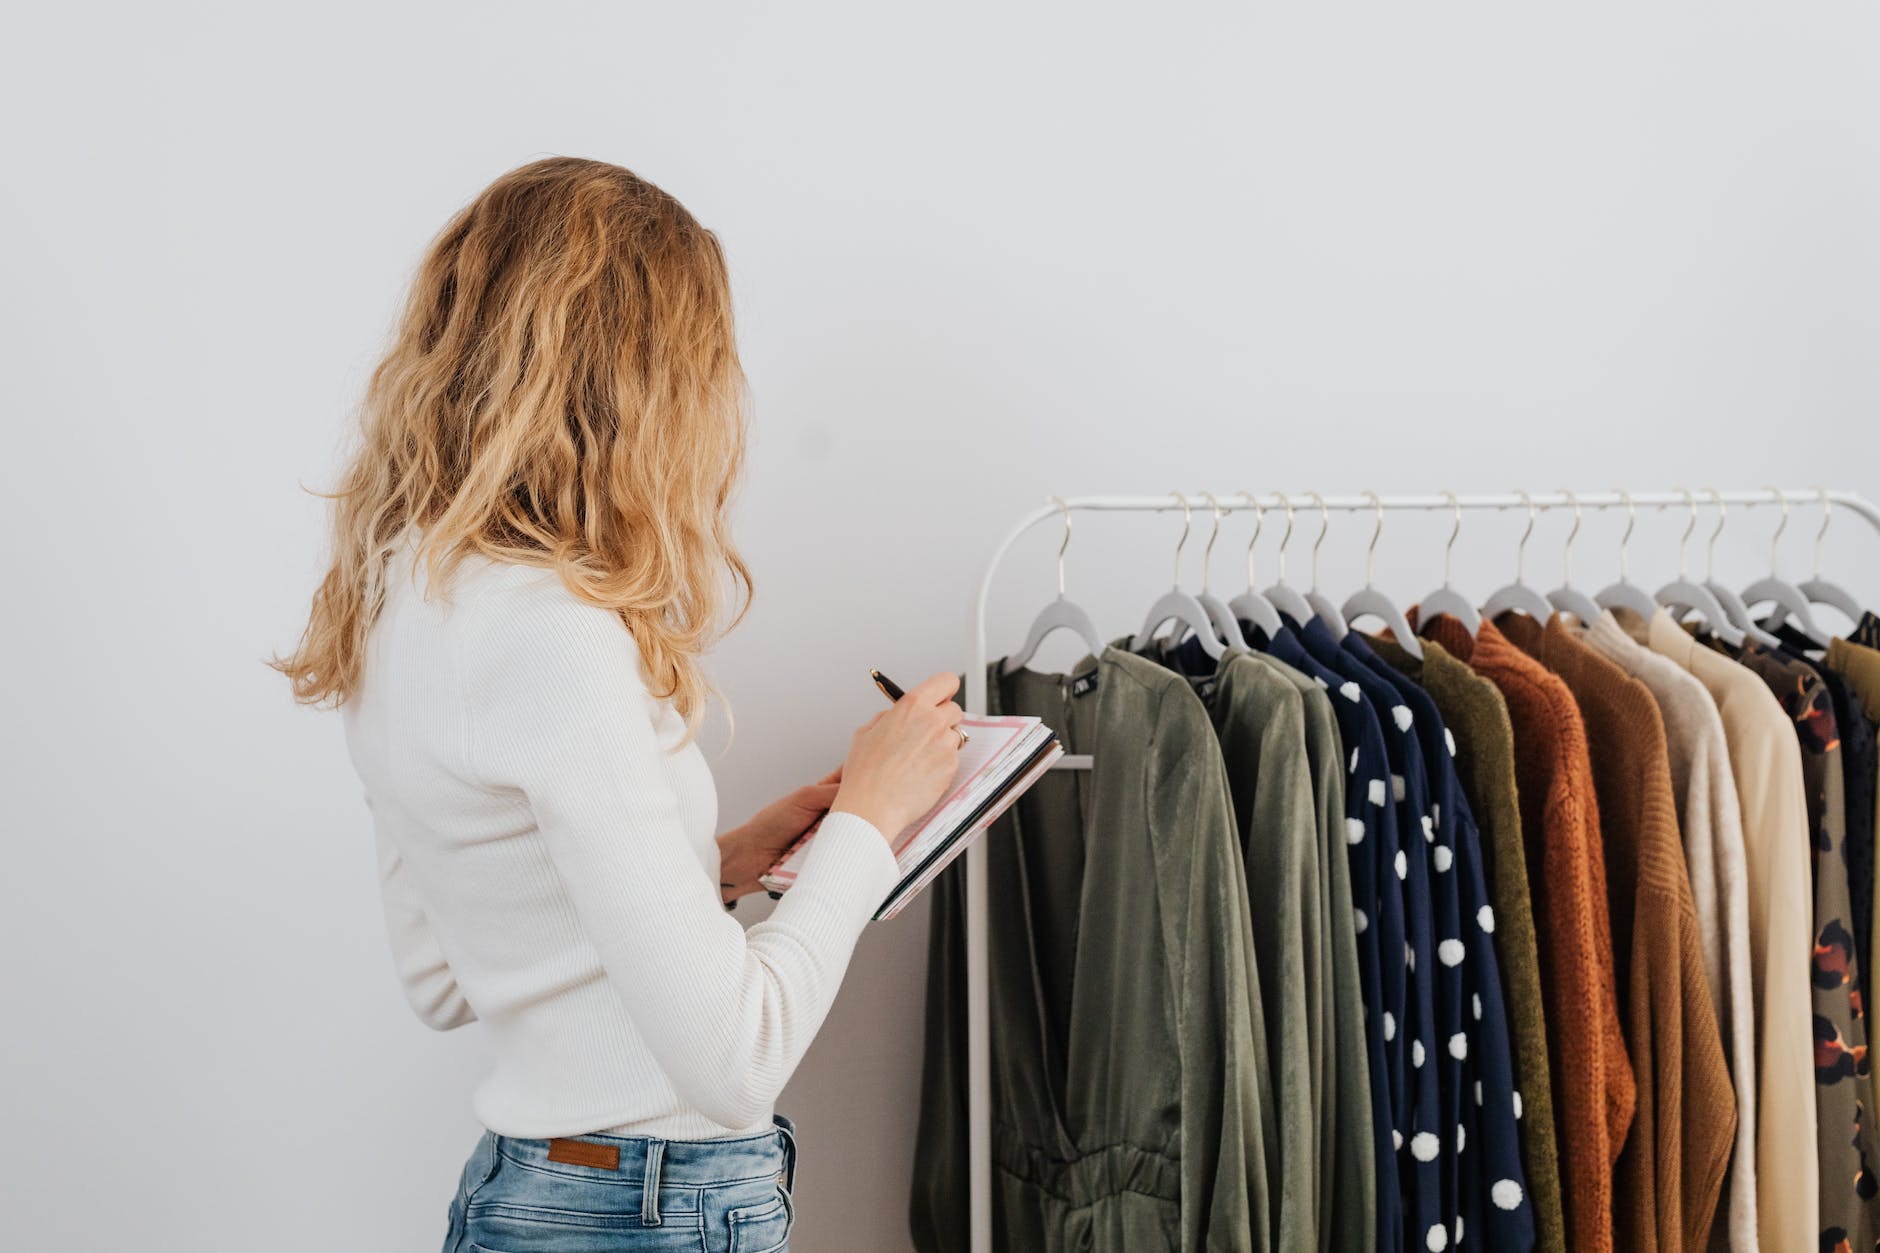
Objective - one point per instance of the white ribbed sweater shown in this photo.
(550, 869)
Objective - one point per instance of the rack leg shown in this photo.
(978, 1051)
(978, 981)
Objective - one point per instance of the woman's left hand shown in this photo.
(748, 851)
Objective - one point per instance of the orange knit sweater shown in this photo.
(1671, 1171)
(1593, 1088)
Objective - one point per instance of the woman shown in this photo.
(527, 552)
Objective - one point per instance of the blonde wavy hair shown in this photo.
(562, 390)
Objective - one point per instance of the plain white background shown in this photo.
(981, 254)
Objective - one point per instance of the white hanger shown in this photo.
(1789, 599)
(1734, 610)
(1059, 613)
(1518, 597)
(1819, 590)
(1176, 605)
(1446, 599)
(1281, 594)
(1250, 605)
(1225, 623)
(1322, 607)
(1681, 593)
(1625, 594)
(1368, 600)
(1566, 598)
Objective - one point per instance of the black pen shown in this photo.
(893, 692)
(888, 686)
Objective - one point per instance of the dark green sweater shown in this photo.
(1473, 709)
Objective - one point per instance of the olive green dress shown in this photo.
(1125, 1081)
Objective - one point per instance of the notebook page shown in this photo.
(945, 822)
(909, 889)
(989, 741)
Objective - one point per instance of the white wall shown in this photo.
(982, 254)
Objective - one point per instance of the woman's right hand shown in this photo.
(901, 760)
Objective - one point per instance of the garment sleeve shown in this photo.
(423, 972)
(1224, 1175)
(558, 710)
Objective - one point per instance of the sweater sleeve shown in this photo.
(430, 986)
(558, 710)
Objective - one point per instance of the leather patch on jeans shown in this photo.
(585, 1153)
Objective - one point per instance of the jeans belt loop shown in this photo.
(649, 1183)
(787, 1130)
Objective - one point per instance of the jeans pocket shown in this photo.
(481, 1167)
(478, 1169)
(763, 1228)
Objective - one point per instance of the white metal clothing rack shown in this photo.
(978, 1024)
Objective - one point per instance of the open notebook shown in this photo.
(1003, 757)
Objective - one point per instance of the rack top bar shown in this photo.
(1303, 502)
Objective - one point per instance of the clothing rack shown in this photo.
(978, 1023)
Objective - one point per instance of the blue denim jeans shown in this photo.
(626, 1194)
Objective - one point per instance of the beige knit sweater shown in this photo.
(1768, 773)
(1711, 822)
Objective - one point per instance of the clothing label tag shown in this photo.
(1204, 688)
(585, 1153)
(1085, 685)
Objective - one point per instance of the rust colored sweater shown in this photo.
(1592, 1074)
(1671, 1172)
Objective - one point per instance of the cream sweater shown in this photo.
(550, 868)
(1767, 767)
